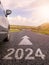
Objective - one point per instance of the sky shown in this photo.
(27, 12)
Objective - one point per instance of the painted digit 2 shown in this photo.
(28, 57)
(8, 55)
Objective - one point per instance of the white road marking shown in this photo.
(25, 41)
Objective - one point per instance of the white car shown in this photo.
(4, 24)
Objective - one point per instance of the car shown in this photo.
(4, 24)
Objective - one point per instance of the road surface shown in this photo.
(25, 48)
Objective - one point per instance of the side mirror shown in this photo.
(8, 12)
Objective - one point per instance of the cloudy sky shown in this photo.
(27, 12)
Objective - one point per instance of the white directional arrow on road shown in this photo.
(25, 41)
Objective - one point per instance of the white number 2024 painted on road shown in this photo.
(21, 51)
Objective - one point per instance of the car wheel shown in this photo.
(7, 38)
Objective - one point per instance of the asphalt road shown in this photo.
(23, 44)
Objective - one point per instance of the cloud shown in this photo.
(16, 3)
(38, 3)
(19, 20)
(25, 21)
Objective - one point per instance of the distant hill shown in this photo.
(44, 28)
(45, 25)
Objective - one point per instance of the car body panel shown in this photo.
(4, 24)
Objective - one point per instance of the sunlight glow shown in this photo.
(44, 11)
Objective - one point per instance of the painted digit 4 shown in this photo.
(40, 54)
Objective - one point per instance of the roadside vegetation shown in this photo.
(43, 29)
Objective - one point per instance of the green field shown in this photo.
(15, 28)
